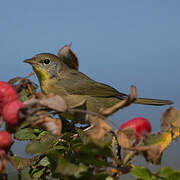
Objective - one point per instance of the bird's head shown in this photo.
(45, 65)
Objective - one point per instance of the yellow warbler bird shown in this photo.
(55, 76)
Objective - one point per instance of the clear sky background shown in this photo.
(119, 43)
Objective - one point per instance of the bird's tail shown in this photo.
(155, 102)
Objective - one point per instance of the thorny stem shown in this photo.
(19, 175)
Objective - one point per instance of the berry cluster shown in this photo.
(9, 107)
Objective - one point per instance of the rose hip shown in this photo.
(141, 125)
(5, 141)
(10, 112)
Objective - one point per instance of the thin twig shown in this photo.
(88, 112)
(123, 103)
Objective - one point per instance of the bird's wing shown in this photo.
(78, 83)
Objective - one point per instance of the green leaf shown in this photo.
(24, 124)
(36, 147)
(141, 173)
(46, 137)
(36, 173)
(155, 139)
(25, 134)
(37, 131)
(109, 178)
(24, 96)
(153, 177)
(168, 173)
(21, 163)
(90, 152)
(80, 169)
(59, 147)
(102, 176)
(44, 161)
(93, 149)
(43, 143)
(65, 167)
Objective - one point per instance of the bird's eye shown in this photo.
(46, 61)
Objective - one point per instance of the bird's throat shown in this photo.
(45, 80)
(41, 74)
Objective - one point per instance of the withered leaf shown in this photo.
(54, 126)
(154, 146)
(14, 80)
(171, 121)
(56, 103)
(100, 128)
(69, 57)
(20, 163)
(126, 137)
(25, 88)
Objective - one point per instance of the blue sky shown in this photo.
(118, 42)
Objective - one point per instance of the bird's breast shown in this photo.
(50, 86)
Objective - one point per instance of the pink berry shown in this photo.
(141, 125)
(5, 141)
(10, 112)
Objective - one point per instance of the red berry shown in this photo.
(141, 125)
(5, 140)
(10, 112)
(7, 94)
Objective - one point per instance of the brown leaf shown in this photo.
(100, 128)
(170, 121)
(153, 152)
(155, 146)
(14, 80)
(56, 103)
(69, 57)
(126, 137)
(50, 124)
(20, 163)
(25, 88)
(38, 109)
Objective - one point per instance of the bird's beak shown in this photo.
(30, 61)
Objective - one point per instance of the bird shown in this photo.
(57, 77)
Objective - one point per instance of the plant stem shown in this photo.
(19, 175)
